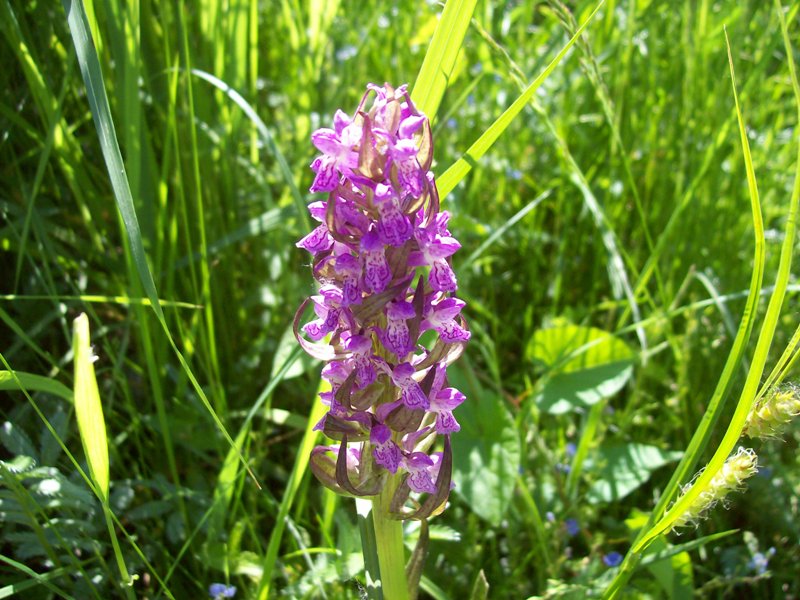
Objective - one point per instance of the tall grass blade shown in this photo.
(310, 438)
(33, 383)
(434, 75)
(456, 172)
(761, 352)
(101, 113)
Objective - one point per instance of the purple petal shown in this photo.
(327, 178)
(451, 332)
(340, 121)
(447, 399)
(442, 278)
(414, 397)
(327, 141)
(380, 434)
(446, 422)
(388, 456)
(410, 125)
(409, 174)
(319, 240)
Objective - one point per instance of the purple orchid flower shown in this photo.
(380, 232)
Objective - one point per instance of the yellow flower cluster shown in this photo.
(730, 478)
(772, 414)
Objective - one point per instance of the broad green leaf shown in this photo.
(33, 383)
(567, 391)
(16, 440)
(88, 408)
(486, 452)
(462, 166)
(621, 468)
(586, 365)
(673, 573)
(437, 67)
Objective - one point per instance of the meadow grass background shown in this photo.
(617, 200)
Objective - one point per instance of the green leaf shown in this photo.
(16, 440)
(620, 469)
(674, 574)
(33, 383)
(434, 75)
(480, 589)
(88, 408)
(486, 452)
(586, 365)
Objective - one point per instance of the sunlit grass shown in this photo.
(617, 199)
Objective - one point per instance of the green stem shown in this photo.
(123, 570)
(389, 545)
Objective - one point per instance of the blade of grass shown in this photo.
(101, 113)
(762, 345)
(310, 438)
(434, 75)
(92, 430)
(456, 172)
(35, 383)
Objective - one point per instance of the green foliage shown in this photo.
(605, 198)
(486, 452)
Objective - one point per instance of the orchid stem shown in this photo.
(389, 545)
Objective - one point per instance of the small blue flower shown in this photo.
(760, 561)
(573, 527)
(612, 559)
(514, 174)
(218, 591)
(570, 449)
(550, 516)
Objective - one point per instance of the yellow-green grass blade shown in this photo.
(33, 383)
(308, 442)
(88, 408)
(101, 113)
(98, 299)
(43, 579)
(453, 175)
(761, 352)
(434, 75)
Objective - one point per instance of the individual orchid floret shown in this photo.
(441, 316)
(361, 359)
(386, 452)
(397, 337)
(419, 466)
(319, 240)
(410, 391)
(377, 272)
(328, 307)
(435, 246)
(338, 152)
(403, 151)
(348, 268)
(394, 227)
(443, 404)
